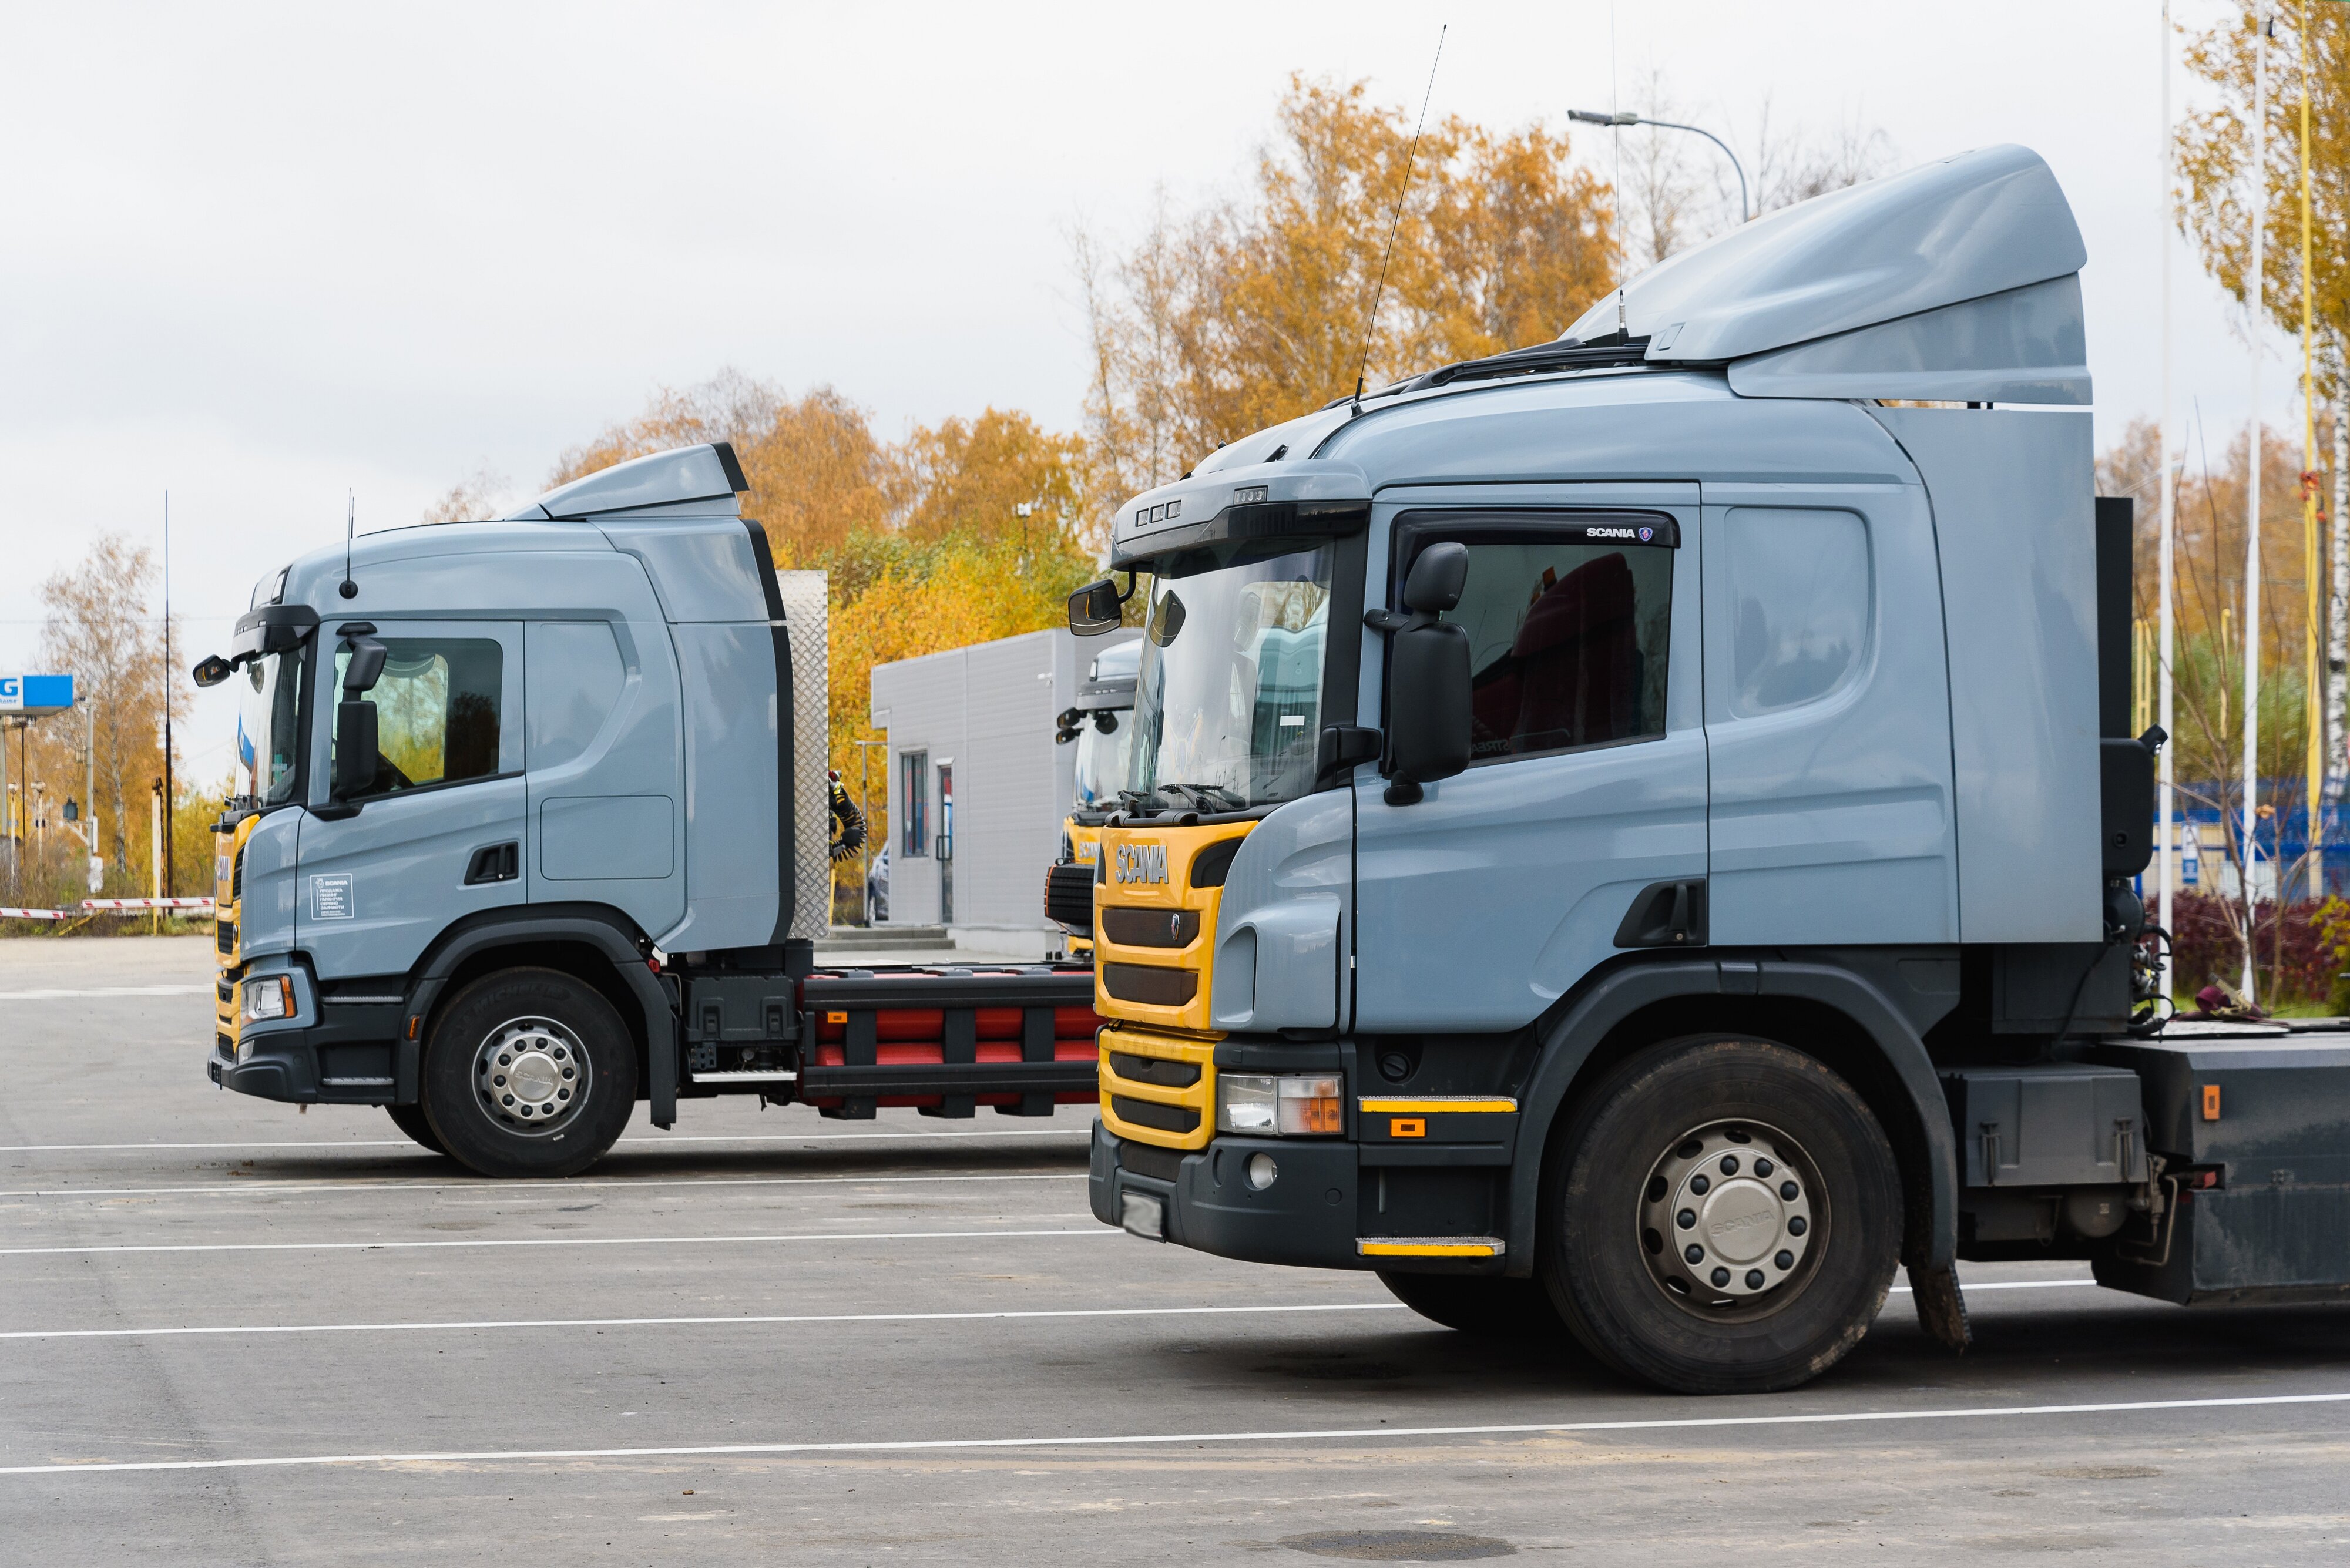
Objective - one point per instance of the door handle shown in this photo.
(494, 863)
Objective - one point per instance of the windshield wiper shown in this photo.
(1206, 797)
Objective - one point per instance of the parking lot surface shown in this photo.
(234, 1332)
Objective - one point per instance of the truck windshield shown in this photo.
(268, 726)
(1102, 757)
(1228, 710)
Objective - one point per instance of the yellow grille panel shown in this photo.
(1163, 856)
(1197, 1099)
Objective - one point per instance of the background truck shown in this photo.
(1637, 833)
(1098, 724)
(536, 828)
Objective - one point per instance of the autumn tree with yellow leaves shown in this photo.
(1254, 309)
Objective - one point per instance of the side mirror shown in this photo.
(365, 669)
(356, 758)
(1427, 706)
(214, 670)
(1094, 608)
(1436, 579)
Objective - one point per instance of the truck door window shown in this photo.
(1567, 638)
(1799, 582)
(436, 709)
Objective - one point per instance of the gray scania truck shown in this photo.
(534, 828)
(1635, 835)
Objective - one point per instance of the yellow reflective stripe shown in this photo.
(1435, 1104)
(1431, 1247)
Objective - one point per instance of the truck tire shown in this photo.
(528, 1073)
(1497, 1308)
(410, 1120)
(1720, 1215)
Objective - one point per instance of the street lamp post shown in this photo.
(1598, 117)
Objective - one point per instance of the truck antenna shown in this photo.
(349, 589)
(1370, 322)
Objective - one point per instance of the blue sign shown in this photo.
(35, 694)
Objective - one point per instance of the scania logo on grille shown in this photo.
(1141, 863)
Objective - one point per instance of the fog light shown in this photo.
(269, 997)
(1262, 1171)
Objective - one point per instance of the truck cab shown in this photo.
(534, 828)
(1099, 725)
(1635, 833)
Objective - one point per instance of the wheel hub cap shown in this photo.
(1727, 1218)
(531, 1075)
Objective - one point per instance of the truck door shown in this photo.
(604, 776)
(1482, 903)
(439, 835)
(1827, 717)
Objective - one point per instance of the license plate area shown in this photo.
(1142, 1214)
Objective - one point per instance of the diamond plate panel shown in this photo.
(805, 604)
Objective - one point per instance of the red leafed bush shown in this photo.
(2300, 967)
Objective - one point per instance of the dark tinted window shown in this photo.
(1568, 642)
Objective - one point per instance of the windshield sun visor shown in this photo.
(1311, 499)
(272, 629)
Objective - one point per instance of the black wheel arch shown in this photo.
(594, 943)
(1827, 1010)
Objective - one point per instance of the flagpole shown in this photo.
(2253, 299)
(2165, 874)
(2313, 575)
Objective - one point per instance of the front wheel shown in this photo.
(1480, 1304)
(410, 1119)
(530, 1072)
(1722, 1216)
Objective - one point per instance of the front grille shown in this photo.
(1150, 928)
(1151, 985)
(1151, 1113)
(236, 878)
(1163, 1164)
(1157, 1088)
(1152, 1070)
(224, 936)
(1069, 896)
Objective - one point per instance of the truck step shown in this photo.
(893, 938)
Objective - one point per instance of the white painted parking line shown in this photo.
(569, 1184)
(548, 1241)
(1303, 1435)
(55, 993)
(692, 1322)
(655, 1141)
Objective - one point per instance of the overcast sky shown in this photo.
(257, 255)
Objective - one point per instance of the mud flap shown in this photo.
(1941, 1309)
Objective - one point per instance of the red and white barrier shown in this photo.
(105, 907)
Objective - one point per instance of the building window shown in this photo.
(914, 804)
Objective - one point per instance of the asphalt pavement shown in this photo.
(234, 1332)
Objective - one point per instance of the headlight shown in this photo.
(1286, 1106)
(271, 996)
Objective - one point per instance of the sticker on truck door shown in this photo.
(330, 898)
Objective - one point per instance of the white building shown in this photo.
(977, 790)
